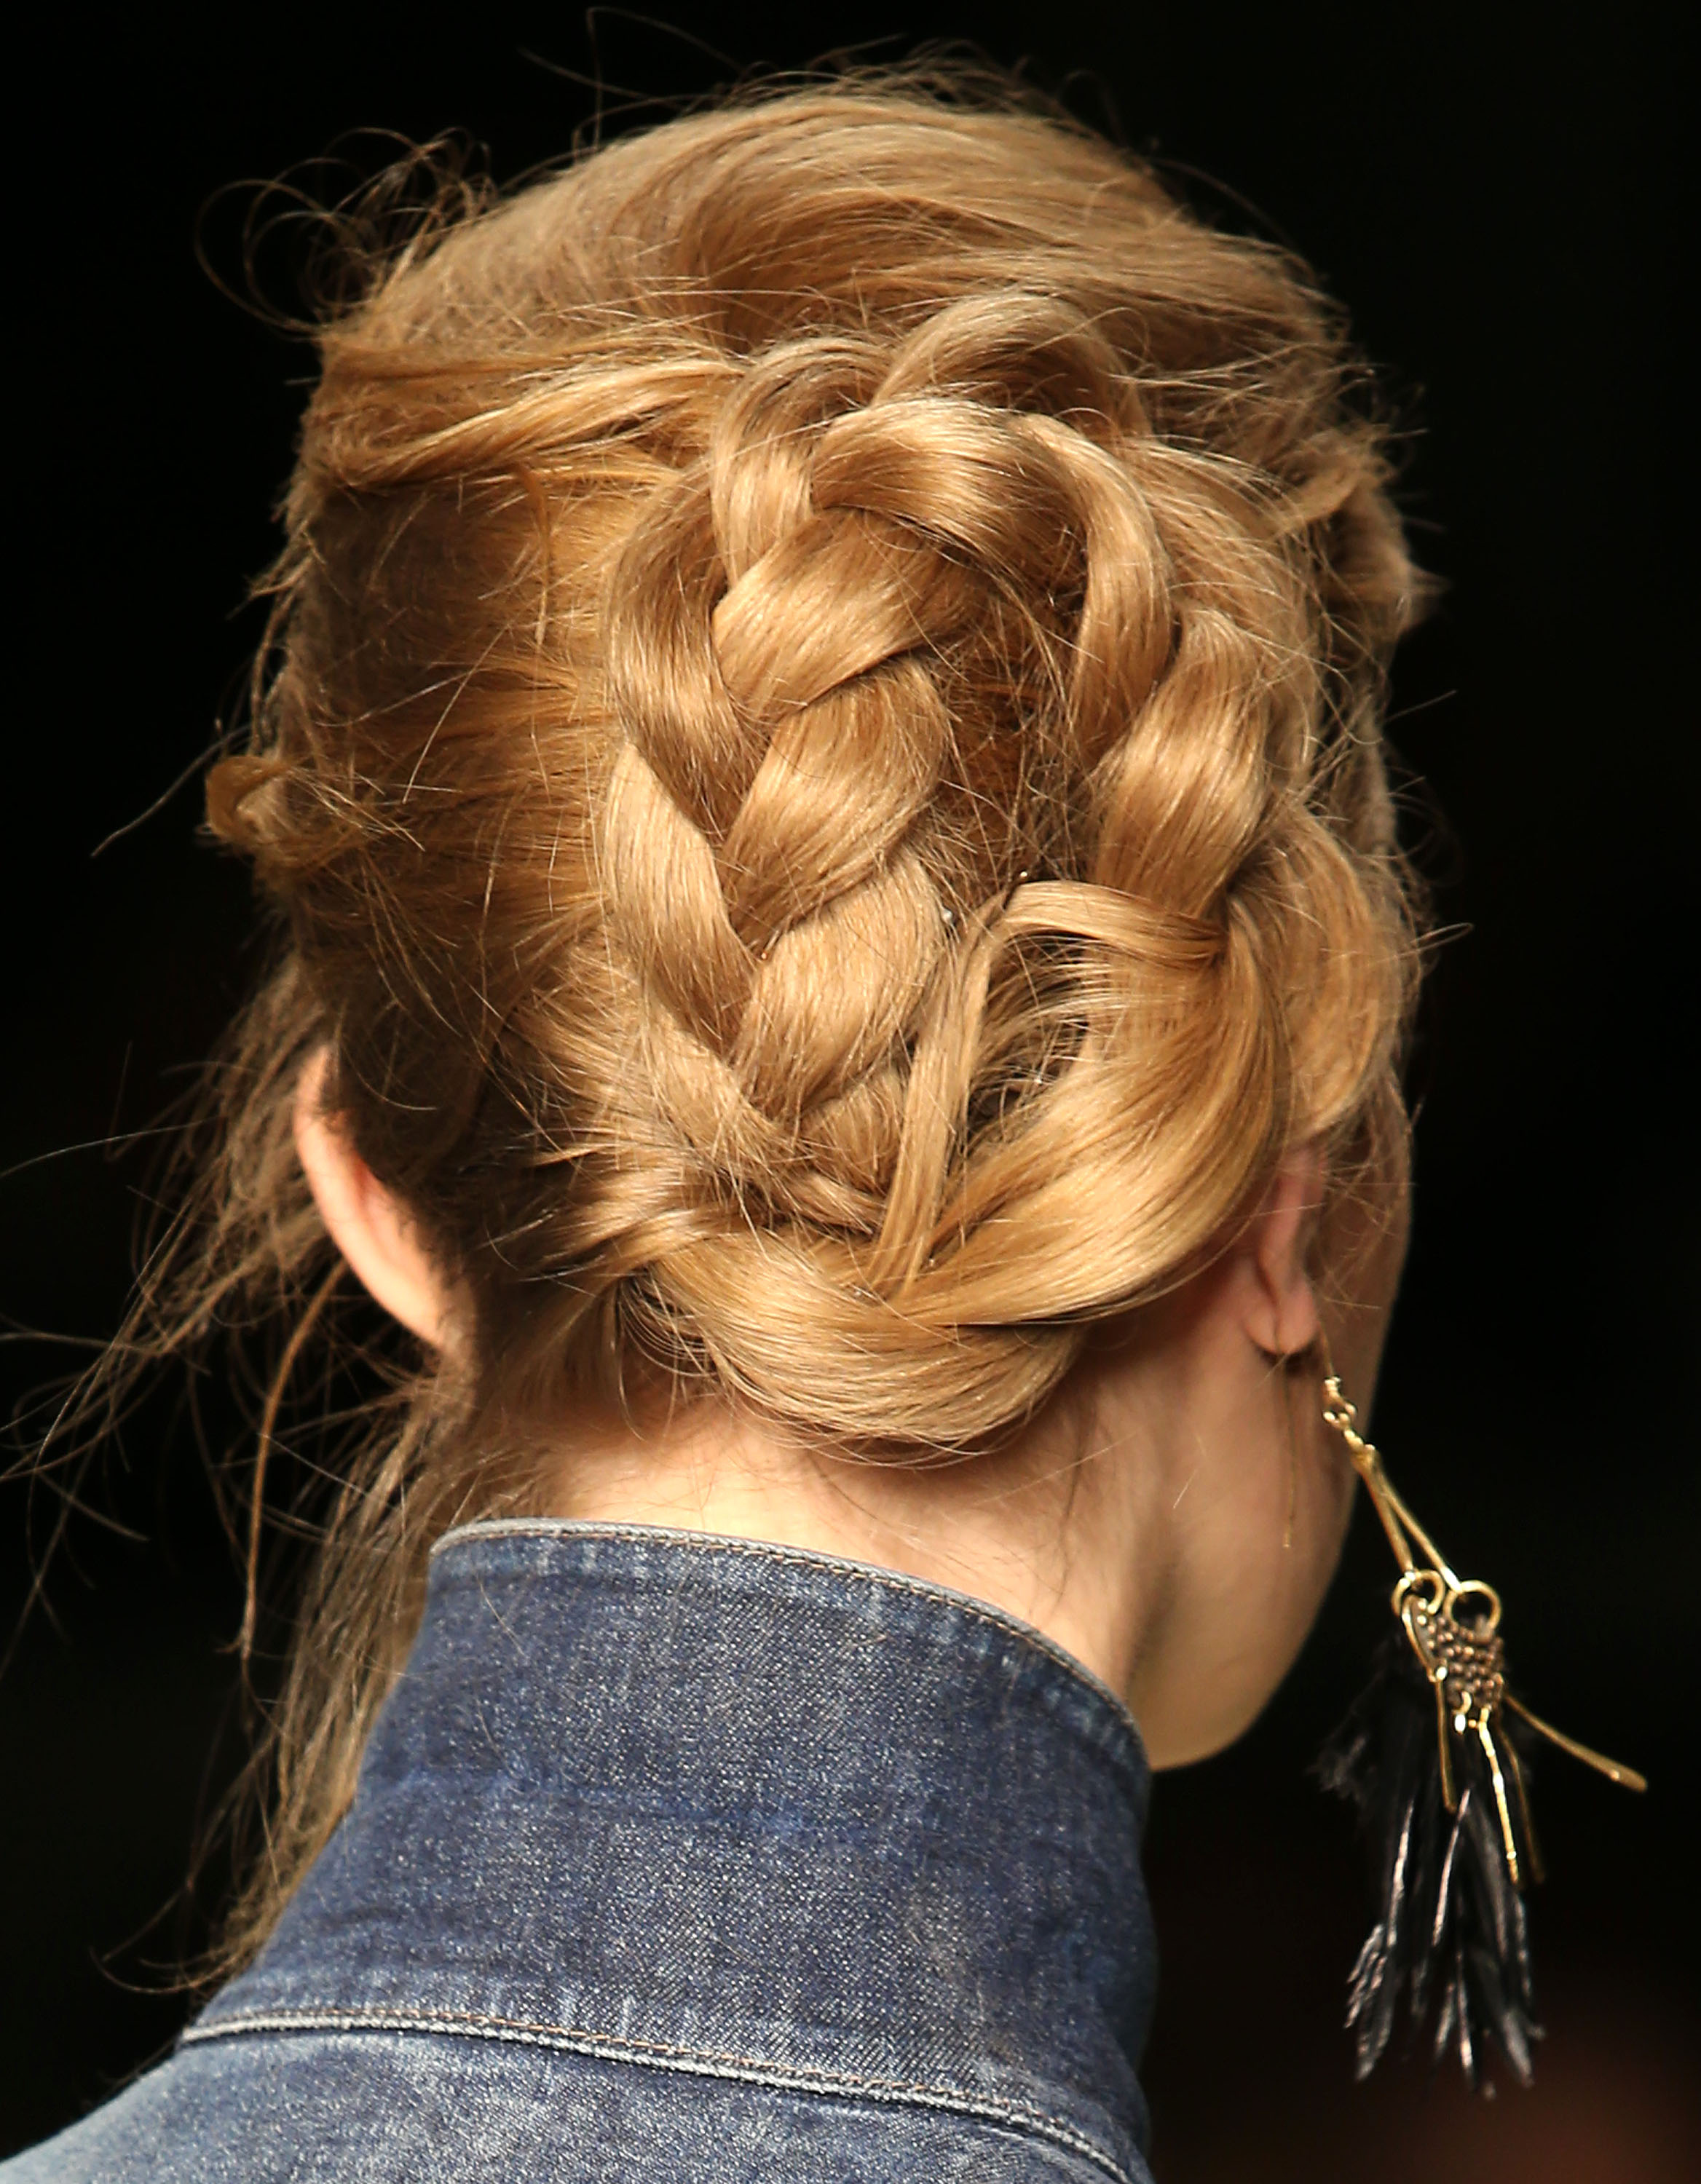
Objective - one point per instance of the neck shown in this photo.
(1159, 1522)
(1046, 1529)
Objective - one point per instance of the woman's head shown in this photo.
(822, 761)
(819, 758)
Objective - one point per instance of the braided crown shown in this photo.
(824, 765)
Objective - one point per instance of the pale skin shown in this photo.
(1173, 1526)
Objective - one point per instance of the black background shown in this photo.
(1495, 199)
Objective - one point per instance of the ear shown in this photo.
(371, 1228)
(1277, 1304)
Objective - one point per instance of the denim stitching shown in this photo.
(804, 1558)
(661, 2054)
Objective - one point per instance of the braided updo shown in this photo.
(820, 757)
(824, 767)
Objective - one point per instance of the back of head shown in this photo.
(819, 759)
(823, 768)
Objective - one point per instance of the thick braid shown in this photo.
(865, 542)
(852, 541)
(794, 936)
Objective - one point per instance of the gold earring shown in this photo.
(1431, 1758)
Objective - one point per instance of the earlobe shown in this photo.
(368, 1226)
(1281, 1305)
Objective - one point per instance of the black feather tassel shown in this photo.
(1434, 1755)
(1453, 1935)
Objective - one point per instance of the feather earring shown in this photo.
(1434, 1754)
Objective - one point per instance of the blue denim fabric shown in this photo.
(675, 1858)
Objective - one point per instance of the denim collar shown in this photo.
(710, 1805)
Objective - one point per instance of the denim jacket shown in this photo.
(689, 1858)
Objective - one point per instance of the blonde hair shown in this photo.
(819, 756)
